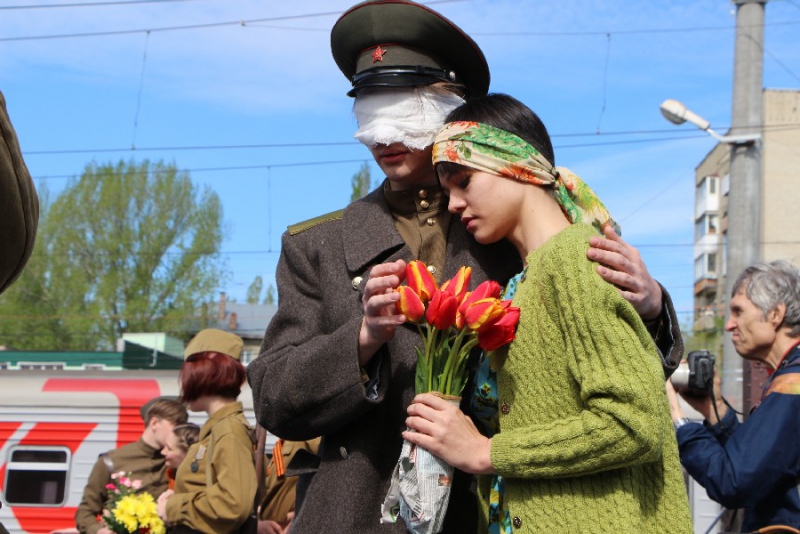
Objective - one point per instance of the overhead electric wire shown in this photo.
(675, 133)
(361, 160)
(93, 4)
(245, 22)
(241, 22)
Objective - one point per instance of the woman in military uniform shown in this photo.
(215, 485)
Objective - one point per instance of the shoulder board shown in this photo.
(305, 225)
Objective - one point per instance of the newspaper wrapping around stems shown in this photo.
(420, 488)
(419, 491)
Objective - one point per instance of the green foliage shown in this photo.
(361, 183)
(269, 298)
(254, 291)
(708, 338)
(127, 247)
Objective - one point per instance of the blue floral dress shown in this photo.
(484, 407)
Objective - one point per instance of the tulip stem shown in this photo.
(429, 352)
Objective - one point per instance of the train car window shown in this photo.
(37, 476)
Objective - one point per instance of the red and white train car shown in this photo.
(54, 424)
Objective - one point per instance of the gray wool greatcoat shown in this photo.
(306, 381)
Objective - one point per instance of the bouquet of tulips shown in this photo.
(129, 512)
(451, 321)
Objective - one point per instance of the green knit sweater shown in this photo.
(585, 442)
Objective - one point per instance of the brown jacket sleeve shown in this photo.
(93, 500)
(19, 205)
(666, 332)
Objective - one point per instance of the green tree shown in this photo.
(127, 247)
(706, 334)
(360, 183)
(269, 298)
(254, 291)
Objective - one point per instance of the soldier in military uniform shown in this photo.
(277, 508)
(142, 459)
(215, 485)
(337, 360)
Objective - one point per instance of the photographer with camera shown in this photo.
(753, 465)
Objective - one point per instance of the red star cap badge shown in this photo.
(377, 54)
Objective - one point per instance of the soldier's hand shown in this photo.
(381, 317)
(622, 265)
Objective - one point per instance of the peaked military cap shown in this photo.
(385, 43)
(19, 205)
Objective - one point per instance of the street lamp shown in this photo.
(743, 242)
(676, 113)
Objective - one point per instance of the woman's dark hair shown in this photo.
(211, 373)
(507, 113)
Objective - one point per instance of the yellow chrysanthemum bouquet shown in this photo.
(129, 512)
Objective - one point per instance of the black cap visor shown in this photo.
(400, 77)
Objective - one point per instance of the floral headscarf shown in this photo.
(489, 149)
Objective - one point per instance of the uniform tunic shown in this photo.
(142, 461)
(223, 503)
(279, 489)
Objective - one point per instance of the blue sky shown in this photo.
(225, 101)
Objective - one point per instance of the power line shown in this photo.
(237, 168)
(672, 132)
(93, 4)
(188, 26)
(336, 162)
(338, 13)
(621, 32)
(167, 28)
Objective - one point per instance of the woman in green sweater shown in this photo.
(578, 434)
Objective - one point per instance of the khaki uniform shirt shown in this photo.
(421, 217)
(142, 461)
(279, 491)
(226, 499)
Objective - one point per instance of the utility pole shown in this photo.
(739, 378)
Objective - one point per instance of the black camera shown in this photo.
(695, 375)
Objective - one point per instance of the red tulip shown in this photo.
(483, 312)
(485, 290)
(442, 310)
(420, 280)
(458, 285)
(501, 332)
(410, 304)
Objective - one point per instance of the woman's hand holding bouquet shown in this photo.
(451, 322)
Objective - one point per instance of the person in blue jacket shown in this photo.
(753, 465)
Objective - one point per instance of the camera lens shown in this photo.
(680, 378)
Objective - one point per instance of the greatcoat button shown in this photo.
(505, 408)
(356, 282)
(430, 221)
(517, 521)
(343, 452)
(423, 193)
(424, 204)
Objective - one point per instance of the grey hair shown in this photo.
(768, 285)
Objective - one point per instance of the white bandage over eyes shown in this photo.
(408, 115)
